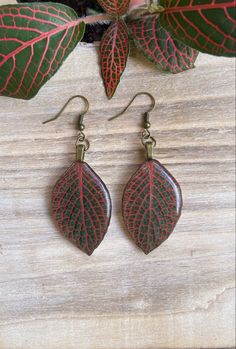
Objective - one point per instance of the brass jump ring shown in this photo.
(83, 141)
(148, 139)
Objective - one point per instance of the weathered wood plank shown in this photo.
(179, 296)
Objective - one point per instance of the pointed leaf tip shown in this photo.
(114, 51)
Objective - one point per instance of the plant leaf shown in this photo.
(35, 39)
(114, 50)
(152, 205)
(159, 47)
(208, 26)
(81, 206)
(115, 7)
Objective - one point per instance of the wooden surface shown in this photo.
(52, 296)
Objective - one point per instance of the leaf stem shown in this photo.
(104, 17)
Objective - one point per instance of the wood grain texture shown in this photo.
(182, 294)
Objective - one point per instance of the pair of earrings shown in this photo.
(81, 203)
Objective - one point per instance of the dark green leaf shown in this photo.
(206, 25)
(35, 39)
(159, 47)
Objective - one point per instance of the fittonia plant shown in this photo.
(35, 38)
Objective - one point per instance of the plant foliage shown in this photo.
(35, 39)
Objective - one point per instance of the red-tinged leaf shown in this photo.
(114, 50)
(81, 206)
(152, 205)
(35, 39)
(159, 47)
(206, 25)
(115, 7)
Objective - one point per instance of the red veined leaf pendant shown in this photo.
(152, 205)
(152, 199)
(81, 206)
(81, 203)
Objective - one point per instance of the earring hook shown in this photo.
(129, 104)
(81, 115)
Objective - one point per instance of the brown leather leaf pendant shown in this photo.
(81, 206)
(152, 205)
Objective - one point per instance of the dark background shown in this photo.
(83, 8)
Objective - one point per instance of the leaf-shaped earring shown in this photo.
(152, 199)
(81, 203)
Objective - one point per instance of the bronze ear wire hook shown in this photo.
(147, 140)
(82, 144)
(132, 100)
(81, 115)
